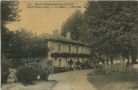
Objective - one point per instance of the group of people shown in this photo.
(79, 65)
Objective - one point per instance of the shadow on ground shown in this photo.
(37, 85)
(114, 81)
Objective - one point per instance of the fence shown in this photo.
(119, 68)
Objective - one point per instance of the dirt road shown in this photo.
(72, 80)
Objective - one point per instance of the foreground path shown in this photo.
(72, 80)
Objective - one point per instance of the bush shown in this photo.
(59, 69)
(4, 70)
(4, 76)
(26, 74)
(43, 72)
(36, 67)
(99, 70)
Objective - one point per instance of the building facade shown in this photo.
(65, 52)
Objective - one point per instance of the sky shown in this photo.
(43, 17)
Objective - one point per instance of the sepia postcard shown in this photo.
(69, 45)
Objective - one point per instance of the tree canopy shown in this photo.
(9, 12)
(72, 25)
(19, 44)
(111, 28)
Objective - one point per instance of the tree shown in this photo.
(38, 47)
(9, 13)
(112, 27)
(19, 46)
(72, 25)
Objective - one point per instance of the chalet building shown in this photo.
(65, 52)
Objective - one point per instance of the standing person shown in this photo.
(71, 64)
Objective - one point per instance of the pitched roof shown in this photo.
(62, 39)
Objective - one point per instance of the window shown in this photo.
(77, 49)
(70, 48)
(60, 62)
(59, 47)
(81, 48)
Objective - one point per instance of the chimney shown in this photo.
(56, 32)
(68, 36)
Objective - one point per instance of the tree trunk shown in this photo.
(25, 62)
(66, 64)
(103, 62)
(134, 59)
(134, 56)
(111, 59)
(128, 61)
(107, 59)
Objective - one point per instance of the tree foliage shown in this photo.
(113, 26)
(66, 55)
(109, 27)
(38, 47)
(9, 12)
(72, 25)
(25, 45)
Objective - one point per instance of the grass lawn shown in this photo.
(114, 81)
